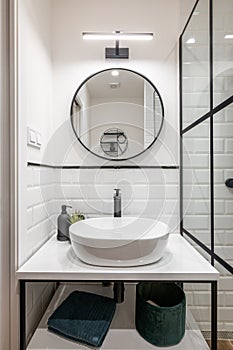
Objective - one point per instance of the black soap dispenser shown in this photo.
(63, 224)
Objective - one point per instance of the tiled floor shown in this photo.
(224, 344)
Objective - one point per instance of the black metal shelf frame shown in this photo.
(209, 115)
(23, 296)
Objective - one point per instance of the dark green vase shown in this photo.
(162, 324)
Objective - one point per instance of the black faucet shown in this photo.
(117, 203)
(118, 287)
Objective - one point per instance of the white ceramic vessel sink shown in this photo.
(125, 241)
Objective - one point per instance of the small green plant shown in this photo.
(76, 216)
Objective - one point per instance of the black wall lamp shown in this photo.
(117, 52)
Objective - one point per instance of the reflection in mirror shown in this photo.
(123, 102)
(114, 142)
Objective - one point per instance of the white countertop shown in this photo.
(57, 261)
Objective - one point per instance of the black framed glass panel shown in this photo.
(207, 192)
(196, 186)
(222, 50)
(223, 183)
(195, 65)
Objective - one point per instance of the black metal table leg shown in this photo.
(214, 326)
(22, 298)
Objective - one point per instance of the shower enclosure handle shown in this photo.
(229, 182)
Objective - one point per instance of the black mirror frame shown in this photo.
(128, 70)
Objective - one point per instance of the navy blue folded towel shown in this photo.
(83, 317)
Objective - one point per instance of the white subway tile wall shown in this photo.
(145, 192)
(40, 212)
(40, 207)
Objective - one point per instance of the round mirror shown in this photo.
(117, 114)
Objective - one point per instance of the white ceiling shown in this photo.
(161, 17)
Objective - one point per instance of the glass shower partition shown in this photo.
(206, 129)
(206, 149)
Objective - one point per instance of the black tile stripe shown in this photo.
(102, 166)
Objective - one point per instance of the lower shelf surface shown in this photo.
(122, 334)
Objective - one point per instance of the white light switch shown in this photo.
(33, 138)
(38, 139)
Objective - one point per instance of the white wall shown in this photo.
(35, 69)
(35, 111)
(75, 60)
(62, 60)
(35, 92)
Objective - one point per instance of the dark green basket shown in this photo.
(162, 324)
